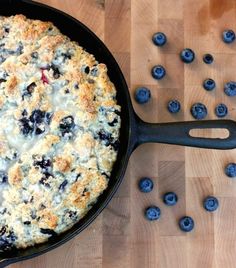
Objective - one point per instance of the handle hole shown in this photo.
(216, 133)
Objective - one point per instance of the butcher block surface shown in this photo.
(121, 237)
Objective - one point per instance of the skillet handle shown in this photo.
(178, 133)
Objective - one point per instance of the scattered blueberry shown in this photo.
(221, 110)
(187, 55)
(142, 95)
(159, 39)
(230, 88)
(153, 213)
(209, 84)
(230, 170)
(228, 36)
(158, 72)
(199, 111)
(173, 106)
(186, 224)
(208, 58)
(145, 185)
(35, 55)
(210, 203)
(170, 198)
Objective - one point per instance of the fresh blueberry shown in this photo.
(145, 185)
(173, 106)
(199, 111)
(142, 95)
(159, 39)
(230, 89)
(209, 84)
(208, 58)
(187, 55)
(221, 110)
(158, 72)
(170, 198)
(210, 203)
(186, 224)
(228, 36)
(153, 213)
(230, 170)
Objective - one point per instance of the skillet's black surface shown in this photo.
(133, 130)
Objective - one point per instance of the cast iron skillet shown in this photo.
(133, 130)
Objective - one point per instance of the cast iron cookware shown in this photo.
(133, 130)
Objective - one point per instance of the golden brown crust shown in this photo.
(59, 132)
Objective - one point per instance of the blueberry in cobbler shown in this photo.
(28, 90)
(3, 177)
(43, 162)
(63, 185)
(48, 231)
(56, 72)
(67, 125)
(35, 123)
(7, 239)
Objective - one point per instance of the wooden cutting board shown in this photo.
(120, 237)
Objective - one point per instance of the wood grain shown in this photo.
(121, 237)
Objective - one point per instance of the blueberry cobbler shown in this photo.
(59, 133)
